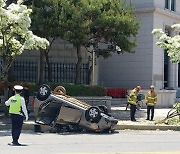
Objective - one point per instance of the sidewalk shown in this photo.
(141, 124)
(119, 113)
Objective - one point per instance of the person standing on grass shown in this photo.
(17, 110)
(151, 100)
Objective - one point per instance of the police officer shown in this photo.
(151, 100)
(132, 100)
(17, 110)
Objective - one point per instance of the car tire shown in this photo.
(43, 92)
(61, 88)
(93, 114)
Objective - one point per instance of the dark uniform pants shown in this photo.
(150, 108)
(17, 122)
(132, 111)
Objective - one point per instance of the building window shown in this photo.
(166, 4)
(170, 4)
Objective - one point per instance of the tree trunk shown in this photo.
(5, 94)
(5, 67)
(49, 67)
(41, 67)
(90, 74)
(47, 59)
(78, 65)
(11, 76)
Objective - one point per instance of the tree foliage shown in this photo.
(45, 24)
(110, 21)
(84, 22)
(15, 36)
(44, 21)
(171, 44)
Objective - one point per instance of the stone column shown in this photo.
(172, 75)
(172, 70)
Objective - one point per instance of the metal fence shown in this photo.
(66, 73)
(28, 71)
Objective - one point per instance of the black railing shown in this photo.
(66, 73)
(27, 71)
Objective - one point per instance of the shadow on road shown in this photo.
(122, 114)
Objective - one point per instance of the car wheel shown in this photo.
(93, 114)
(60, 89)
(43, 92)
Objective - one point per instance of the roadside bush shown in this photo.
(72, 89)
(173, 117)
(173, 121)
(81, 89)
(85, 90)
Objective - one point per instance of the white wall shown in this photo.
(146, 66)
(154, 3)
(142, 3)
(128, 70)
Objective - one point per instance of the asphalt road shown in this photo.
(127, 141)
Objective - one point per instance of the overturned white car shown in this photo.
(57, 109)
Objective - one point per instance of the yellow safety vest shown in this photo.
(151, 99)
(132, 99)
(15, 105)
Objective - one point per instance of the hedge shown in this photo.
(71, 89)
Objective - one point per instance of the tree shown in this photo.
(171, 44)
(109, 21)
(46, 27)
(15, 36)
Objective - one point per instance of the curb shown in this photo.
(30, 126)
(148, 127)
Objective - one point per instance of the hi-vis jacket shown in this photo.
(17, 105)
(151, 98)
(132, 99)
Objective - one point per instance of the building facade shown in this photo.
(149, 64)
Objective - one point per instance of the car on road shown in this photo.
(57, 109)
